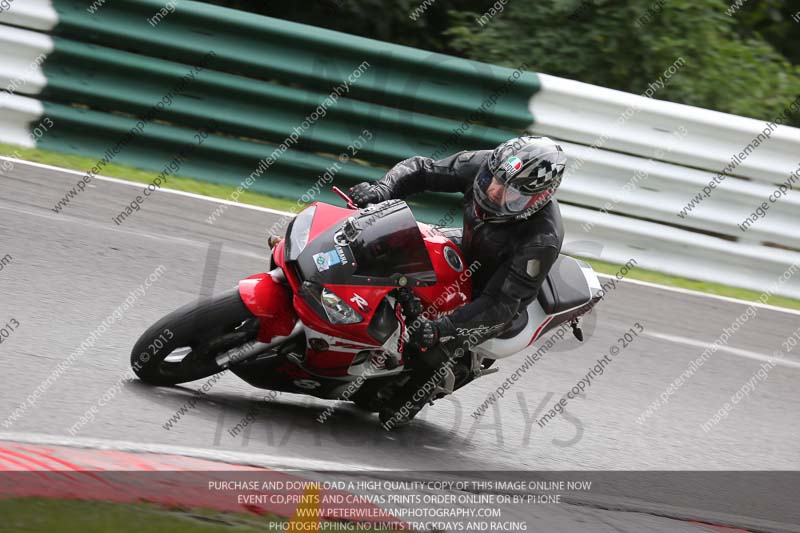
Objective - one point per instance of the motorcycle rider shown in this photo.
(512, 232)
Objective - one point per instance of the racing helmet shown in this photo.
(518, 179)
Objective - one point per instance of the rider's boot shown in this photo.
(403, 406)
(409, 400)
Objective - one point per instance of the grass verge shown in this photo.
(182, 183)
(691, 284)
(39, 515)
(179, 183)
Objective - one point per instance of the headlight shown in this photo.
(298, 233)
(337, 310)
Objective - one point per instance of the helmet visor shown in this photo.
(501, 200)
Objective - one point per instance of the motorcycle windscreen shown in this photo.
(390, 245)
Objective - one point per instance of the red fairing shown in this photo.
(453, 288)
(369, 296)
(276, 302)
(271, 302)
(325, 216)
(292, 371)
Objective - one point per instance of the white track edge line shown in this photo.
(239, 458)
(691, 292)
(286, 213)
(139, 185)
(782, 361)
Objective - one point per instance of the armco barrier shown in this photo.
(584, 113)
(258, 80)
(691, 255)
(654, 190)
(640, 161)
(266, 78)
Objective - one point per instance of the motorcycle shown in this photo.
(330, 318)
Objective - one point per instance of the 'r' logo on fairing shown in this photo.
(362, 304)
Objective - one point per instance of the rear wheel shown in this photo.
(183, 346)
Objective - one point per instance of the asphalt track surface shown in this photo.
(70, 270)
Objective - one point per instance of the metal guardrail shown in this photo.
(584, 113)
(267, 80)
(654, 190)
(682, 253)
(635, 164)
(104, 72)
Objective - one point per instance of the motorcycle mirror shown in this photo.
(576, 330)
(344, 197)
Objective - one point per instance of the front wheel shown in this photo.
(183, 346)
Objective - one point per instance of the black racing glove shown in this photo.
(412, 307)
(367, 193)
(423, 334)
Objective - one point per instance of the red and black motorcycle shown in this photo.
(330, 318)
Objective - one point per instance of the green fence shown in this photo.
(255, 80)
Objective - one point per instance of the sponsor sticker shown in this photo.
(513, 165)
(342, 254)
(325, 260)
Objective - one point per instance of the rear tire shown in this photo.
(202, 331)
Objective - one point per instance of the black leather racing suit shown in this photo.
(513, 257)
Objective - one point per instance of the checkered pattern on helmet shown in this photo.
(546, 172)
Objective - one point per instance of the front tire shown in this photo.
(183, 345)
